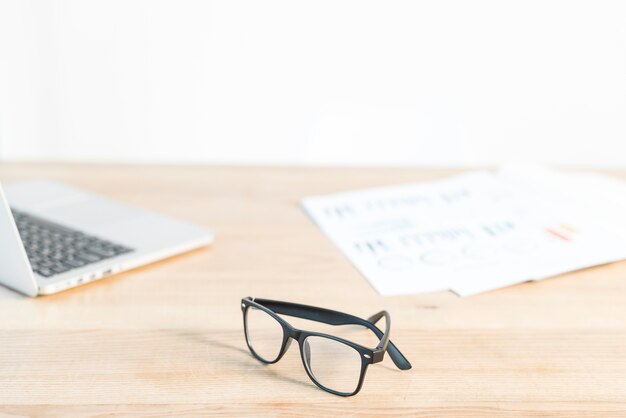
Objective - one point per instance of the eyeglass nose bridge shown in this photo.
(293, 333)
(290, 335)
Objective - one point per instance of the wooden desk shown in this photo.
(167, 339)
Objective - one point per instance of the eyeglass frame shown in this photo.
(368, 355)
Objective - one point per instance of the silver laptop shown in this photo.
(54, 237)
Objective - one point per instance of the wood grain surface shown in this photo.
(167, 339)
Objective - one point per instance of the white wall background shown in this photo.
(436, 82)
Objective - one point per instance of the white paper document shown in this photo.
(476, 231)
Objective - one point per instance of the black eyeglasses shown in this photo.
(336, 365)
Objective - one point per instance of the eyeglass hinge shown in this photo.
(379, 355)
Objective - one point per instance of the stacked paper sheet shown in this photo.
(476, 231)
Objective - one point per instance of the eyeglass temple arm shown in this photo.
(331, 317)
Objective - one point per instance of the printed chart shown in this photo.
(469, 233)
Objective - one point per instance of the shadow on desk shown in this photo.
(242, 357)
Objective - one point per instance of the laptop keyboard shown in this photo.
(54, 249)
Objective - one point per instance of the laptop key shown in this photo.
(60, 268)
(103, 252)
(91, 258)
(75, 262)
(45, 272)
(46, 263)
(121, 250)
